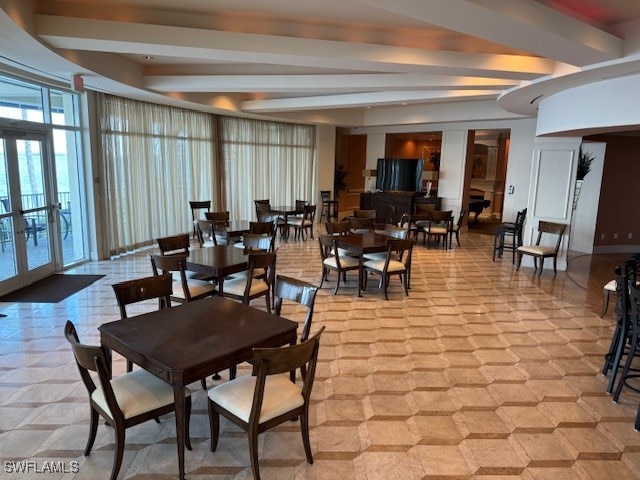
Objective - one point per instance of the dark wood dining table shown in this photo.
(233, 229)
(362, 243)
(285, 211)
(219, 261)
(185, 344)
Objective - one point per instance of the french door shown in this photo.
(28, 215)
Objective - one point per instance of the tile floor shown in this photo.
(480, 373)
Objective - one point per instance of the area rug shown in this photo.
(52, 289)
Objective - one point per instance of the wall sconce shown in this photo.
(369, 173)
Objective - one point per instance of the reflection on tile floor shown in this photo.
(479, 373)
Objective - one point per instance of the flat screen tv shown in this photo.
(404, 174)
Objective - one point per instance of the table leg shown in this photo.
(178, 398)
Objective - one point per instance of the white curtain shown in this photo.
(265, 160)
(155, 160)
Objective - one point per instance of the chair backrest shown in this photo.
(361, 223)
(300, 204)
(274, 361)
(199, 205)
(337, 228)
(141, 289)
(221, 217)
(403, 248)
(309, 212)
(520, 218)
(328, 247)
(167, 263)
(294, 290)
(463, 213)
(91, 358)
(262, 206)
(207, 231)
(552, 229)
(253, 241)
(261, 260)
(396, 232)
(364, 213)
(261, 228)
(424, 208)
(175, 244)
(325, 195)
(634, 300)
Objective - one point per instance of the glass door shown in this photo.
(28, 216)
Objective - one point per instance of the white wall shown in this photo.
(326, 151)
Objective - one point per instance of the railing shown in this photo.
(35, 200)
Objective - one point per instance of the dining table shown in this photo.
(185, 344)
(233, 229)
(361, 244)
(286, 211)
(219, 261)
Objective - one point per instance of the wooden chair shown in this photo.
(300, 292)
(438, 227)
(391, 231)
(455, 228)
(333, 260)
(632, 337)
(262, 207)
(266, 230)
(207, 233)
(140, 290)
(415, 224)
(329, 206)
(509, 235)
(267, 397)
(196, 206)
(184, 289)
(180, 245)
(396, 262)
(361, 224)
(124, 401)
(221, 221)
(257, 281)
(305, 223)
(541, 252)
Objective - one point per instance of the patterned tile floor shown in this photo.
(480, 373)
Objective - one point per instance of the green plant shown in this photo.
(584, 164)
(339, 179)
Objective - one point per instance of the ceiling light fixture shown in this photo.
(148, 57)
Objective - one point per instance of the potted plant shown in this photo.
(584, 164)
(339, 180)
(584, 167)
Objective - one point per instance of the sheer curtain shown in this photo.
(155, 159)
(261, 159)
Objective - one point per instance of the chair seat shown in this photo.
(537, 250)
(237, 286)
(280, 396)
(380, 256)
(437, 230)
(196, 288)
(299, 222)
(137, 392)
(345, 262)
(378, 265)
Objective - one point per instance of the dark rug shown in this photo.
(52, 289)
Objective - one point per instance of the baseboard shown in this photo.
(616, 249)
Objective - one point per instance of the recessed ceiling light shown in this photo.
(148, 57)
(403, 103)
(367, 106)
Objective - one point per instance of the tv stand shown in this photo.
(390, 205)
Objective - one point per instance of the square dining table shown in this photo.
(362, 243)
(185, 344)
(218, 261)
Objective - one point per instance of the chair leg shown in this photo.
(214, 426)
(93, 428)
(253, 453)
(386, 284)
(518, 262)
(117, 458)
(187, 411)
(627, 366)
(129, 366)
(617, 356)
(542, 266)
(304, 428)
(324, 274)
(637, 425)
(605, 303)
(268, 300)
(554, 265)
